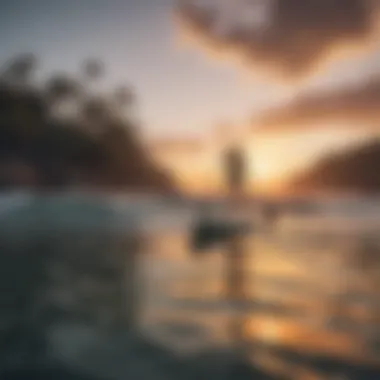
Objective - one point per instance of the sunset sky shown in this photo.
(274, 73)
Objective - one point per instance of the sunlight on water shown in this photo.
(310, 297)
(308, 289)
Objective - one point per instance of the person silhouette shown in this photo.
(235, 170)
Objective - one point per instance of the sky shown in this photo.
(282, 87)
(137, 41)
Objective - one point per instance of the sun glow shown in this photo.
(272, 161)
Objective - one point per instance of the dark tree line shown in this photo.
(356, 169)
(59, 133)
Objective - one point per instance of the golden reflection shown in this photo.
(290, 308)
(266, 329)
(269, 329)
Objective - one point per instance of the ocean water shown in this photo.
(312, 291)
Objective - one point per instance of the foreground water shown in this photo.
(312, 291)
(311, 307)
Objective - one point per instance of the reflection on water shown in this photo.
(310, 308)
(311, 292)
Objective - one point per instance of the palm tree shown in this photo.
(61, 88)
(63, 94)
(124, 101)
(93, 69)
(96, 114)
(20, 70)
(124, 96)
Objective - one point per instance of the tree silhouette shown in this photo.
(124, 96)
(355, 169)
(93, 69)
(96, 113)
(67, 133)
(20, 70)
(61, 88)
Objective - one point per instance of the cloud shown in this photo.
(357, 106)
(291, 38)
